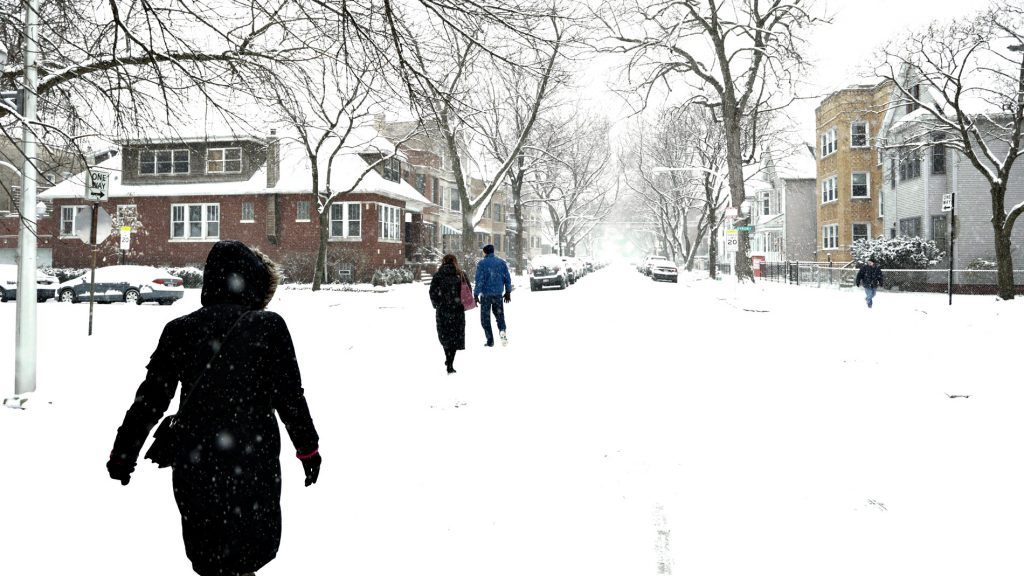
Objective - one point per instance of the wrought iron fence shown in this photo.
(843, 275)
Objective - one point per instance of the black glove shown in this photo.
(311, 466)
(120, 469)
(476, 298)
(508, 297)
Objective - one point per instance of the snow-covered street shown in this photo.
(782, 429)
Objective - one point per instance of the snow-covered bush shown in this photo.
(389, 276)
(63, 274)
(901, 252)
(981, 271)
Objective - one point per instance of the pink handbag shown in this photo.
(468, 302)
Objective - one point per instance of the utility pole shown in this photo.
(25, 337)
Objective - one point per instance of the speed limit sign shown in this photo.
(732, 240)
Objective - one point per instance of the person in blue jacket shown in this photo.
(492, 280)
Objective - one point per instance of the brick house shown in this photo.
(180, 195)
(849, 207)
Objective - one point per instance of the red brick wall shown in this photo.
(294, 247)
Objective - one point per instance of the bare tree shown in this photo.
(967, 78)
(733, 57)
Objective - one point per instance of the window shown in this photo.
(766, 205)
(910, 226)
(195, 221)
(892, 173)
(421, 183)
(69, 225)
(302, 211)
(881, 202)
(859, 135)
(861, 231)
(860, 185)
(163, 162)
(445, 193)
(388, 222)
(434, 192)
(938, 158)
(392, 169)
(497, 243)
(914, 98)
(828, 143)
(910, 165)
(940, 232)
(223, 160)
(346, 220)
(456, 200)
(830, 236)
(499, 212)
(248, 212)
(829, 190)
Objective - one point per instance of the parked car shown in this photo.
(9, 284)
(571, 271)
(547, 270)
(651, 261)
(664, 270)
(131, 284)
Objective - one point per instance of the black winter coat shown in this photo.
(227, 479)
(870, 275)
(450, 316)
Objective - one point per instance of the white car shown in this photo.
(9, 284)
(651, 261)
(131, 284)
(548, 270)
(664, 270)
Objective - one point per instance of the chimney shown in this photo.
(273, 159)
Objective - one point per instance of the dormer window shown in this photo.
(223, 160)
(392, 169)
(163, 162)
(914, 99)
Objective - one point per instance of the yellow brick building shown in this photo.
(849, 173)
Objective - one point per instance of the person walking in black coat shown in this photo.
(871, 276)
(227, 472)
(450, 314)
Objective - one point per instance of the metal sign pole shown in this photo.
(92, 274)
(952, 242)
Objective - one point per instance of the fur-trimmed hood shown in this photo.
(238, 274)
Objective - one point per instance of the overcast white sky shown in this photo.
(842, 51)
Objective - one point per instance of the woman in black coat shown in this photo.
(450, 315)
(227, 474)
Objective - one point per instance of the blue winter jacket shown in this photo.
(492, 277)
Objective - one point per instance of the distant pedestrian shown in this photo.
(871, 276)
(492, 280)
(450, 313)
(237, 367)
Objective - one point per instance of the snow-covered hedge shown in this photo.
(901, 252)
(190, 275)
(389, 276)
(63, 274)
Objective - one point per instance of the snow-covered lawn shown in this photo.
(782, 429)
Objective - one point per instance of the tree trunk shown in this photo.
(734, 160)
(324, 223)
(1004, 264)
(517, 194)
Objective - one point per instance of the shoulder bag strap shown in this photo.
(224, 340)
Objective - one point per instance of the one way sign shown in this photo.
(99, 185)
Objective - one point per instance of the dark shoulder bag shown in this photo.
(167, 438)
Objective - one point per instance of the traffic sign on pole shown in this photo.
(947, 202)
(99, 186)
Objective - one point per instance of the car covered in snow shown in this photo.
(548, 270)
(9, 284)
(124, 283)
(650, 261)
(662, 269)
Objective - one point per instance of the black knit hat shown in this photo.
(489, 249)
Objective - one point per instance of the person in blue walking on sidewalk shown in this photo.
(871, 275)
(492, 280)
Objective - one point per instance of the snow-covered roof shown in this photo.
(295, 177)
(800, 164)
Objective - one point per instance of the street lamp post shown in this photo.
(25, 330)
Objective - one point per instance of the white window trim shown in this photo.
(345, 220)
(835, 190)
(224, 160)
(309, 211)
(187, 152)
(76, 210)
(853, 237)
(204, 221)
(396, 212)
(868, 179)
(242, 220)
(867, 134)
(835, 236)
(830, 136)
